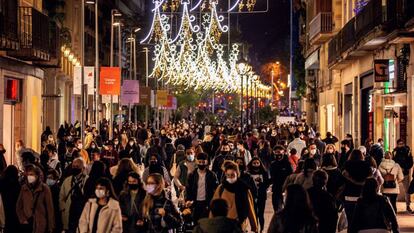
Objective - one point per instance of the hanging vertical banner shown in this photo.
(89, 74)
(77, 86)
(162, 97)
(169, 102)
(89, 79)
(152, 98)
(110, 81)
(130, 92)
(145, 96)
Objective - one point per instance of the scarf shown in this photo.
(241, 198)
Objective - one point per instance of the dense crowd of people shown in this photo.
(200, 178)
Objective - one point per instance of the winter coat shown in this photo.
(305, 181)
(217, 225)
(324, 207)
(355, 173)
(298, 144)
(192, 186)
(36, 204)
(109, 221)
(279, 171)
(373, 214)
(277, 225)
(65, 199)
(389, 166)
(131, 210)
(402, 155)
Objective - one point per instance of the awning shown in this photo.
(312, 62)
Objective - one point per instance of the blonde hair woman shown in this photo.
(159, 214)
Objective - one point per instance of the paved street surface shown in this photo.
(405, 220)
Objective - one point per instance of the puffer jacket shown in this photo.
(391, 167)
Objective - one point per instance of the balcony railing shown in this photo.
(33, 35)
(333, 51)
(347, 35)
(320, 25)
(8, 25)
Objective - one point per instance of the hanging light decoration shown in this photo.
(193, 58)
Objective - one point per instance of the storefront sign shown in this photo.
(110, 81)
(381, 70)
(130, 92)
(145, 96)
(162, 97)
(403, 123)
(89, 79)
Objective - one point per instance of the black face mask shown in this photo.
(76, 171)
(279, 156)
(202, 166)
(225, 152)
(153, 163)
(133, 186)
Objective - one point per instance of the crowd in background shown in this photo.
(189, 177)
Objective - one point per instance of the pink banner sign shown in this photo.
(130, 92)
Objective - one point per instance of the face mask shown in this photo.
(329, 151)
(313, 152)
(100, 193)
(133, 186)
(131, 143)
(231, 180)
(93, 146)
(116, 142)
(279, 156)
(190, 157)
(224, 152)
(76, 171)
(80, 146)
(153, 162)
(50, 182)
(202, 166)
(31, 179)
(150, 188)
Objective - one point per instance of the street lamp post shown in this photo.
(243, 70)
(82, 55)
(114, 13)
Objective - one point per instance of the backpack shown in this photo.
(389, 180)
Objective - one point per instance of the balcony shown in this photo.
(320, 28)
(373, 26)
(33, 36)
(53, 47)
(8, 25)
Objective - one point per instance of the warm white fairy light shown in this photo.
(193, 58)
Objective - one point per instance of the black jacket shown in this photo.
(324, 207)
(132, 211)
(373, 214)
(403, 157)
(192, 185)
(279, 171)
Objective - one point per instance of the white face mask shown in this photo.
(231, 180)
(190, 157)
(50, 182)
(131, 143)
(313, 152)
(31, 179)
(80, 146)
(93, 146)
(100, 193)
(150, 188)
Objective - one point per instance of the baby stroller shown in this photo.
(186, 214)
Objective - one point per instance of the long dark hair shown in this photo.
(310, 165)
(108, 185)
(297, 211)
(370, 189)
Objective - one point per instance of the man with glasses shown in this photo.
(402, 156)
(200, 187)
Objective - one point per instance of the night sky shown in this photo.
(267, 33)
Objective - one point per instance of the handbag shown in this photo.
(389, 180)
(173, 169)
(342, 220)
(410, 189)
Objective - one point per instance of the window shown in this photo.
(12, 93)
